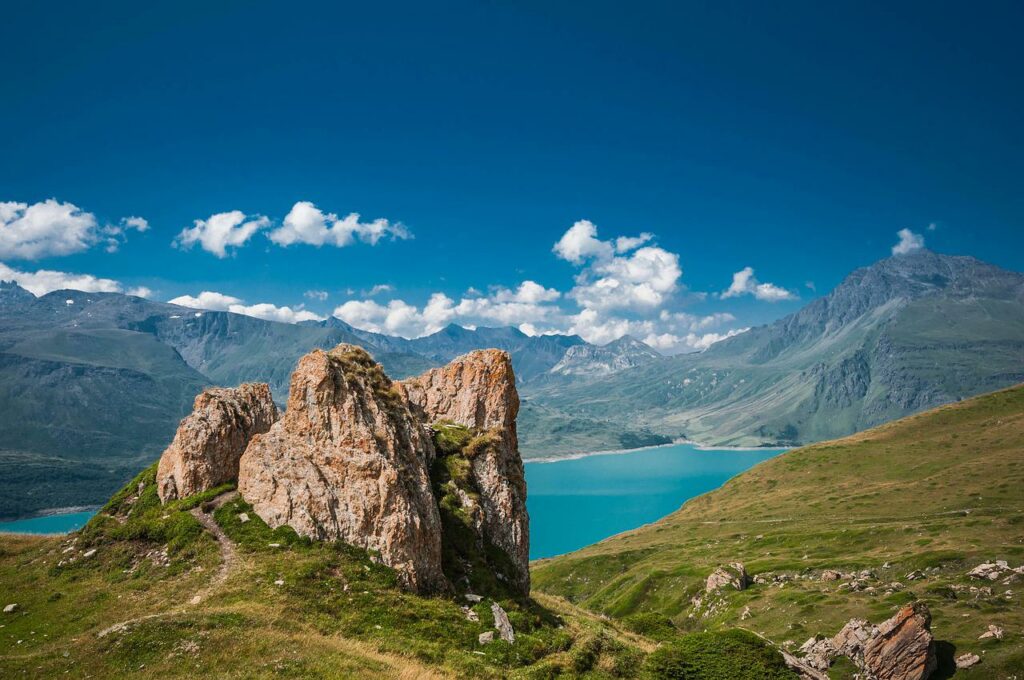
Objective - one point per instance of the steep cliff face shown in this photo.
(210, 441)
(350, 462)
(477, 392)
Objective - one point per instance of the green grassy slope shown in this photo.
(146, 590)
(941, 492)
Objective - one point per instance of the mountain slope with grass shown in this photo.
(913, 506)
(905, 334)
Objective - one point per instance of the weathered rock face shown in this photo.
(210, 441)
(899, 648)
(478, 391)
(349, 461)
(902, 647)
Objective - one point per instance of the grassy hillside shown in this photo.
(191, 590)
(939, 492)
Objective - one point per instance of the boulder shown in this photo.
(967, 660)
(210, 441)
(478, 391)
(349, 461)
(485, 638)
(733, 574)
(502, 624)
(902, 647)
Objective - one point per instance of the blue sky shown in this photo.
(794, 140)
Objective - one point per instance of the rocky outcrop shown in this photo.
(210, 441)
(349, 461)
(478, 392)
(734, 574)
(899, 648)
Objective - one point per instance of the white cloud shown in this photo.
(745, 283)
(305, 223)
(222, 231)
(624, 244)
(528, 292)
(208, 299)
(643, 280)
(218, 302)
(908, 243)
(379, 288)
(44, 281)
(933, 226)
(46, 229)
(580, 243)
(51, 228)
(140, 291)
(320, 295)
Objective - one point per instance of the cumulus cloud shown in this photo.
(580, 243)
(219, 302)
(908, 243)
(320, 295)
(221, 231)
(45, 229)
(45, 281)
(52, 228)
(745, 283)
(529, 303)
(306, 223)
(379, 288)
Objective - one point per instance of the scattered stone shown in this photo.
(745, 614)
(914, 575)
(967, 660)
(992, 632)
(243, 517)
(90, 552)
(274, 545)
(196, 599)
(470, 597)
(733, 574)
(831, 575)
(485, 638)
(278, 582)
(11, 608)
(502, 624)
(470, 614)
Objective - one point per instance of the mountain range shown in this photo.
(92, 385)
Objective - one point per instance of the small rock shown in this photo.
(992, 632)
(733, 574)
(914, 575)
(470, 614)
(487, 637)
(502, 624)
(470, 597)
(274, 545)
(746, 614)
(967, 660)
(89, 553)
(243, 517)
(196, 599)
(278, 582)
(10, 609)
(831, 575)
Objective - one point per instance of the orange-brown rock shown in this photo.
(210, 441)
(902, 647)
(478, 390)
(349, 461)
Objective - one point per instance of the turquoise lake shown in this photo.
(580, 501)
(575, 502)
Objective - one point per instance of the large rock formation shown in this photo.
(899, 648)
(478, 391)
(209, 441)
(349, 461)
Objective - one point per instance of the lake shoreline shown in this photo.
(559, 457)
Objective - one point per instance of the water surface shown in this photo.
(573, 502)
(580, 501)
(48, 524)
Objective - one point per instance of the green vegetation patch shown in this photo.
(727, 655)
